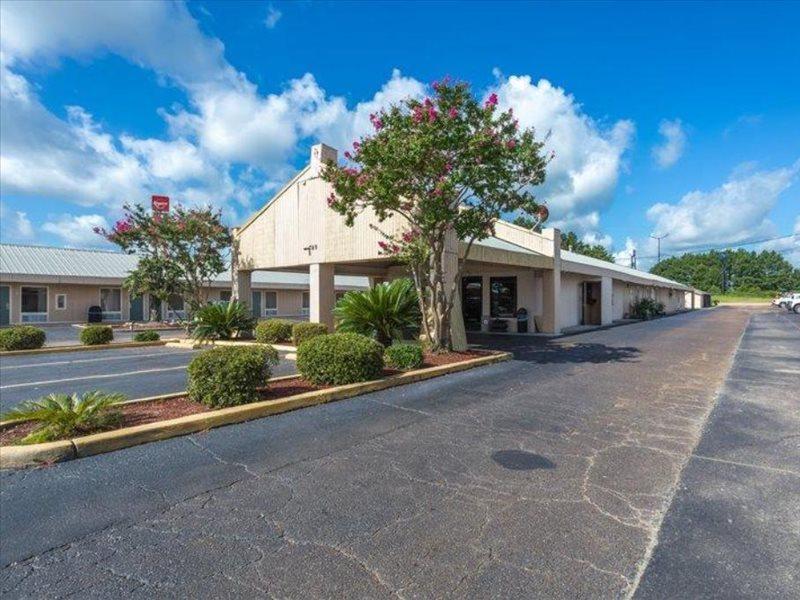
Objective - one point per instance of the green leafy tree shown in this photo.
(181, 250)
(384, 311)
(739, 271)
(446, 165)
(571, 242)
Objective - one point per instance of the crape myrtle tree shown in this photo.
(446, 165)
(181, 251)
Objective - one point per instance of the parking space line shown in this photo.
(88, 377)
(89, 360)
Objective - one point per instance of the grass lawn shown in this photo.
(734, 298)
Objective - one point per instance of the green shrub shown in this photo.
(403, 356)
(646, 308)
(385, 311)
(302, 332)
(340, 358)
(274, 331)
(146, 336)
(222, 321)
(60, 416)
(21, 337)
(230, 375)
(95, 335)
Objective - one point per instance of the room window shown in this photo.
(111, 304)
(306, 308)
(503, 297)
(61, 301)
(33, 304)
(270, 304)
(225, 295)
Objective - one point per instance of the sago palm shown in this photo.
(383, 311)
(222, 321)
(61, 415)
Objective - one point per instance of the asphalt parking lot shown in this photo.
(135, 372)
(656, 460)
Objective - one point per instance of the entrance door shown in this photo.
(5, 305)
(591, 302)
(137, 308)
(472, 302)
(256, 304)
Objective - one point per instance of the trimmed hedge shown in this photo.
(146, 336)
(302, 332)
(403, 356)
(230, 375)
(96, 335)
(339, 359)
(274, 331)
(21, 337)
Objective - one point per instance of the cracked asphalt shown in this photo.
(546, 476)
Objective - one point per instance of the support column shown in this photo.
(322, 294)
(242, 287)
(606, 300)
(373, 281)
(551, 287)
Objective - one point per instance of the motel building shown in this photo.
(46, 285)
(296, 232)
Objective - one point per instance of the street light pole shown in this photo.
(659, 238)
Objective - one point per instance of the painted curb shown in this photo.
(81, 348)
(12, 457)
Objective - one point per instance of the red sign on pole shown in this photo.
(160, 203)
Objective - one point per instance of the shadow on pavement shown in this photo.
(548, 351)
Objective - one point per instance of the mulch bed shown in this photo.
(141, 413)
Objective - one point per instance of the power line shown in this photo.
(709, 247)
(659, 238)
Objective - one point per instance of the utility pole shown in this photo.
(659, 238)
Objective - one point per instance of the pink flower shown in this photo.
(356, 146)
(432, 114)
(377, 123)
(350, 171)
(418, 115)
(331, 199)
(122, 226)
(435, 85)
(511, 144)
(453, 113)
(492, 101)
(347, 155)
(448, 167)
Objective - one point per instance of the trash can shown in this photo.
(95, 315)
(522, 320)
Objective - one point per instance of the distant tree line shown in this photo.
(738, 271)
(569, 241)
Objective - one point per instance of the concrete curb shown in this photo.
(81, 347)
(12, 457)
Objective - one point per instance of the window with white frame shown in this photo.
(306, 307)
(61, 302)
(270, 304)
(33, 304)
(111, 303)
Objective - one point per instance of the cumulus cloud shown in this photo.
(623, 257)
(589, 155)
(77, 230)
(669, 151)
(229, 142)
(22, 228)
(736, 211)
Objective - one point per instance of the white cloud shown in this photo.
(671, 149)
(588, 155)
(623, 257)
(272, 18)
(77, 230)
(229, 141)
(736, 211)
(595, 238)
(22, 226)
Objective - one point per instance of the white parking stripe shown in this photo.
(88, 377)
(89, 360)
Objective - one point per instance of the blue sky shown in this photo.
(679, 118)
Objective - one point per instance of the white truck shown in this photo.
(790, 301)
